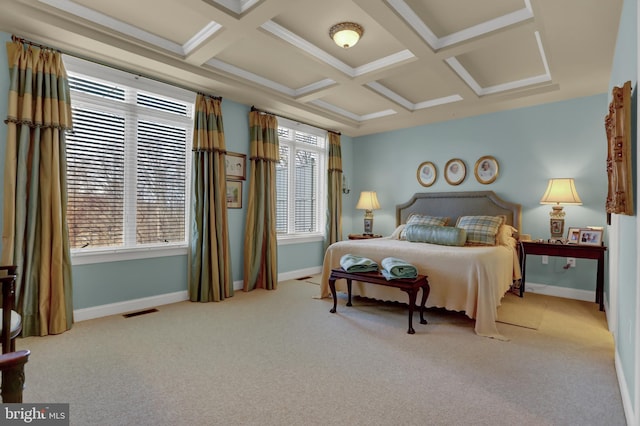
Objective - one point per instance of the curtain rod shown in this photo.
(95, 61)
(253, 108)
(15, 38)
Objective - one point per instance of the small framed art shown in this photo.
(486, 169)
(236, 165)
(234, 194)
(427, 173)
(455, 171)
(556, 227)
(590, 237)
(573, 235)
(368, 226)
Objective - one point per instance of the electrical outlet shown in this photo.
(545, 260)
(571, 261)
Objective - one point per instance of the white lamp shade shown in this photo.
(368, 201)
(561, 191)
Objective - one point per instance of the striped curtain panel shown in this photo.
(35, 236)
(210, 278)
(260, 244)
(334, 185)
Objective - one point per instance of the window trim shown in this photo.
(73, 65)
(89, 257)
(297, 237)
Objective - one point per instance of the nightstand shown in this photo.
(363, 236)
(568, 250)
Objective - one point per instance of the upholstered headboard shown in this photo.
(455, 204)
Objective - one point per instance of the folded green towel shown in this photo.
(394, 268)
(353, 263)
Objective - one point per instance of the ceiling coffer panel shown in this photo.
(185, 22)
(357, 100)
(418, 83)
(266, 58)
(503, 63)
(445, 17)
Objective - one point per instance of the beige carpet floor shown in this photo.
(280, 358)
(527, 311)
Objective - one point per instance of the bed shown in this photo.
(469, 279)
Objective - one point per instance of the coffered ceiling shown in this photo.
(418, 61)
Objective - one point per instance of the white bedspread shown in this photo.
(472, 280)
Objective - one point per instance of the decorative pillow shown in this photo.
(434, 234)
(396, 233)
(481, 230)
(505, 234)
(417, 219)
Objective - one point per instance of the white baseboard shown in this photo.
(128, 306)
(627, 403)
(567, 293)
(165, 299)
(292, 275)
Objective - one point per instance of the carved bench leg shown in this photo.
(412, 301)
(425, 293)
(332, 286)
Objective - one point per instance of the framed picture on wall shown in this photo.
(234, 194)
(486, 169)
(427, 173)
(455, 171)
(236, 165)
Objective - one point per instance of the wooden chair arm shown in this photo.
(11, 269)
(13, 359)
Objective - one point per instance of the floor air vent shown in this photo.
(135, 314)
(303, 278)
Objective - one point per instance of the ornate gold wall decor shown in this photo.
(618, 126)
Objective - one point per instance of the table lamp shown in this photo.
(368, 202)
(559, 191)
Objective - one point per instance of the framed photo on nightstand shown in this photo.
(590, 237)
(573, 235)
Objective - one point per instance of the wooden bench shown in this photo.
(410, 286)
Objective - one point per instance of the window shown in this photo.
(300, 180)
(128, 160)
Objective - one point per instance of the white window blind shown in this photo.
(300, 180)
(127, 160)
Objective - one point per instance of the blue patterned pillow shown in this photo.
(433, 234)
(481, 230)
(416, 219)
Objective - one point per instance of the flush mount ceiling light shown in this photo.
(346, 34)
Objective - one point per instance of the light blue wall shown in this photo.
(625, 69)
(563, 139)
(236, 132)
